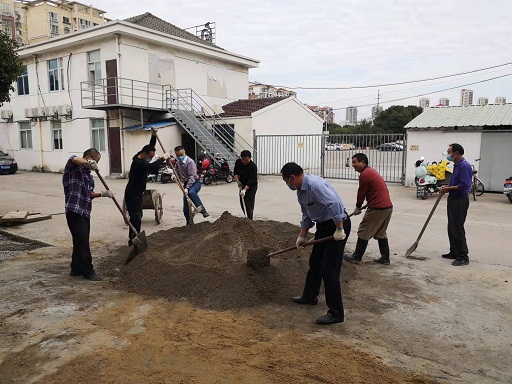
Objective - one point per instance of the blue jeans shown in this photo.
(193, 194)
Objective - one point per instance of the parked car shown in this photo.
(7, 164)
(390, 147)
(333, 147)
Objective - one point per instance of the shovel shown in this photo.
(415, 245)
(258, 257)
(243, 203)
(140, 242)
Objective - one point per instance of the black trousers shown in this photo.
(250, 201)
(80, 228)
(457, 208)
(325, 264)
(134, 206)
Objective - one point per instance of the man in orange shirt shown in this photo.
(374, 190)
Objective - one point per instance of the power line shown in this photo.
(430, 93)
(398, 83)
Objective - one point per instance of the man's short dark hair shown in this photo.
(179, 148)
(291, 169)
(148, 148)
(245, 153)
(457, 148)
(361, 157)
(92, 152)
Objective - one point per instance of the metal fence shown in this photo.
(330, 155)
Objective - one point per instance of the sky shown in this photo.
(343, 43)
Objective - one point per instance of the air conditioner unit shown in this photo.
(6, 115)
(52, 111)
(31, 112)
(64, 110)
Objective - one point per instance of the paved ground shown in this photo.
(451, 323)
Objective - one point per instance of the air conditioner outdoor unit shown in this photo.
(64, 110)
(31, 112)
(6, 115)
(47, 111)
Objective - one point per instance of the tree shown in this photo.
(10, 66)
(395, 118)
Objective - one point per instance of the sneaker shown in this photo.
(204, 213)
(93, 277)
(449, 255)
(460, 262)
(328, 319)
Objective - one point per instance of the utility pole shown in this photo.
(378, 98)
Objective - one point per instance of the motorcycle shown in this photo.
(202, 164)
(507, 188)
(430, 178)
(216, 172)
(164, 175)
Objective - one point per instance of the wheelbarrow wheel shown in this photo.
(125, 210)
(159, 209)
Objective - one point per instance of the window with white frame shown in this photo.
(56, 74)
(66, 30)
(98, 134)
(65, 20)
(23, 82)
(54, 30)
(57, 134)
(25, 135)
(94, 66)
(54, 18)
(84, 23)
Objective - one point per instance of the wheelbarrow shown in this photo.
(151, 199)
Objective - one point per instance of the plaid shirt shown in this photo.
(78, 187)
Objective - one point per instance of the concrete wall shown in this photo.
(431, 144)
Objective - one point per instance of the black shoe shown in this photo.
(303, 300)
(353, 258)
(75, 274)
(460, 261)
(382, 260)
(450, 256)
(328, 319)
(93, 277)
(204, 213)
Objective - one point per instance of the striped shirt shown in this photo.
(78, 186)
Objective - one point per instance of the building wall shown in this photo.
(431, 145)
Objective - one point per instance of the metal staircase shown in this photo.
(209, 130)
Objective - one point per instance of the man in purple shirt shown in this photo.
(187, 170)
(79, 193)
(320, 204)
(458, 204)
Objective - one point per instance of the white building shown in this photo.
(483, 101)
(80, 90)
(485, 132)
(444, 101)
(351, 116)
(424, 102)
(376, 110)
(501, 100)
(466, 97)
(261, 91)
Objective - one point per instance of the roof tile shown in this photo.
(245, 107)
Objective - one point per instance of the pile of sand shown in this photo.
(206, 264)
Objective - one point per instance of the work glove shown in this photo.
(107, 193)
(166, 156)
(92, 164)
(240, 185)
(339, 234)
(357, 211)
(173, 177)
(300, 240)
(242, 192)
(186, 191)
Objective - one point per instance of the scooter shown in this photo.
(507, 188)
(164, 175)
(216, 172)
(430, 178)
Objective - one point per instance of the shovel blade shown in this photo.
(140, 245)
(411, 249)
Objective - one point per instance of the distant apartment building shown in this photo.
(424, 102)
(444, 101)
(501, 100)
(466, 97)
(261, 91)
(30, 22)
(351, 116)
(376, 110)
(326, 113)
(483, 101)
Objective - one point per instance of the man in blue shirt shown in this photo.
(320, 204)
(458, 204)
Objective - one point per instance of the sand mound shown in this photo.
(206, 264)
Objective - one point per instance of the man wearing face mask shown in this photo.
(187, 170)
(458, 204)
(136, 186)
(320, 204)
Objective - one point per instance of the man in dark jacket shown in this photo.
(136, 186)
(246, 176)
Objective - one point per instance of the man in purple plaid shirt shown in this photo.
(79, 192)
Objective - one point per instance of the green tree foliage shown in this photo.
(10, 66)
(395, 118)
